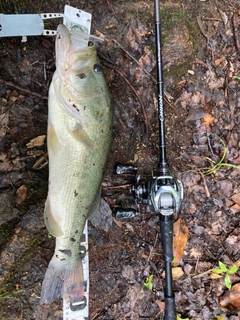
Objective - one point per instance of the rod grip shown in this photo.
(169, 308)
(166, 228)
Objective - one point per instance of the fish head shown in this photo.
(79, 66)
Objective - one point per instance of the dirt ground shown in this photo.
(202, 79)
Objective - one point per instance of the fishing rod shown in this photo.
(164, 192)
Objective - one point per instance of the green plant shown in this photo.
(148, 282)
(217, 165)
(179, 318)
(224, 270)
(236, 77)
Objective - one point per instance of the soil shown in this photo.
(201, 77)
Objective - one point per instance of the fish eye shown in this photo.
(97, 68)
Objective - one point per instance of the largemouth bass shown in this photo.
(78, 139)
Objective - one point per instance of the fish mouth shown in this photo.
(68, 57)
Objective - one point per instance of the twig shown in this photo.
(123, 186)
(98, 313)
(133, 89)
(11, 84)
(211, 19)
(235, 30)
(202, 274)
(205, 184)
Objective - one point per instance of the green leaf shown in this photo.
(236, 77)
(233, 270)
(148, 283)
(228, 281)
(179, 318)
(218, 271)
(150, 277)
(222, 266)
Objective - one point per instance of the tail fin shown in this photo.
(64, 280)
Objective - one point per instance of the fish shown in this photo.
(79, 137)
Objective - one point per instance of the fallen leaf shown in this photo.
(235, 208)
(236, 198)
(231, 300)
(180, 237)
(36, 142)
(219, 60)
(215, 276)
(118, 223)
(177, 273)
(21, 194)
(207, 120)
(161, 304)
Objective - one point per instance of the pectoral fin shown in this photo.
(50, 222)
(79, 134)
(101, 214)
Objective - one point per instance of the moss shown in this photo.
(176, 16)
(7, 230)
(8, 287)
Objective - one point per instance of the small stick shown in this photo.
(235, 20)
(11, 84)
(123, 186)
(202, 274)
(205, 184)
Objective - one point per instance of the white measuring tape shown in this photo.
(80, 310)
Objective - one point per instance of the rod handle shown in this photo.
(166, 229)
(169, 308)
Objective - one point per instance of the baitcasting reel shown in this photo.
(164, 193)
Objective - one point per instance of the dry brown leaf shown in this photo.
(235, 208)
(40, 162)
(219, 60)
(177, 272)
(21, 194)
(215, 276)
(118, 223)
(207, 120)
(180, 237)
(161, 304)
(236, 198)
(231, 300)
(36, 142)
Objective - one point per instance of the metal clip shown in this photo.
(77, 21)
